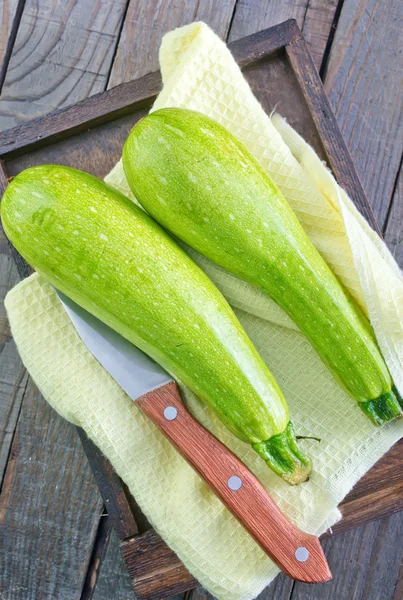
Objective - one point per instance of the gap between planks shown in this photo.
(330, 40)
(9, 29)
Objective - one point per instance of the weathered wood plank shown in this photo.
(83, 116)
(314, 18)
(107, 576)
(113, 580)
(12, 372)
(49, 507)
(364, 82)
(62, 53)
(10, 14)
(146, 23)
(378, 493)
(317, 25)
(279, 589)
(154, 568)
(10, 404)
(365, 563)
(253, 15)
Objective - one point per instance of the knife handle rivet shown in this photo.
(302, 554)
(234, 483)
(170, 413)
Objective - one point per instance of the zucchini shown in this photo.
(109, 256)
(202, 184)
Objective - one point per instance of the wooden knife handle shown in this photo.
(298, 554)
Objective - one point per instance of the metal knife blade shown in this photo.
(134, 371)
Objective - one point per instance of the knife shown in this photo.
(298, 554)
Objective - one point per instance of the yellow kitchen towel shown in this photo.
(199, 73)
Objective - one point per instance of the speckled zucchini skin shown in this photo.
(202, 184)
(97, 247)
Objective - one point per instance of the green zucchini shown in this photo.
(202, 184)
(110, 257)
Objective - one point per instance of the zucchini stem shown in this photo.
(283, 456)
(383, 409)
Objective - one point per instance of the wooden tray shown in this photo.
(90, 136)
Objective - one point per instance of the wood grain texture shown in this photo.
(99, 108)
(398, 591)
(314, 18)
(364, 82)
(249, 503)
(378, 493)
(138, 95)
(147, 22)
(155, 570)
(48, 496)
(62, 53)
(131, 97)
(366, 562)
(253, 15)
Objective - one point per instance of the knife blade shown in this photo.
(298, 554)
(133, 370)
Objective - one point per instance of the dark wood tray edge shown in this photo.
(120, 100)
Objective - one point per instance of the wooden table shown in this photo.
(53, 54)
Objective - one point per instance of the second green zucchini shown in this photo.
(202, 184)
